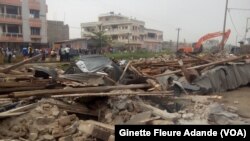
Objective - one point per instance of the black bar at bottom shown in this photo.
(190, 132)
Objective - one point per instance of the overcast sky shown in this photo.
(194, 17)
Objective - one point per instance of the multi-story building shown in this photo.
(23, 22)
(131, 32)
(57, 31)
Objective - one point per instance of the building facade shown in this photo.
(130, 32)
(23, 22)
(57, 31)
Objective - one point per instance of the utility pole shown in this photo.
(178, 34)
(236, 42)
(246, 29)
(224, 26)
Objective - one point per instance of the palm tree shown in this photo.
(101, 40)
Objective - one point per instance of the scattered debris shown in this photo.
(93, 94)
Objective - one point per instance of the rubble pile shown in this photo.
(206, 74)
(85, 100)
(205, 110)
(47, 122)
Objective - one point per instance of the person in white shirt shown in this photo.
(67, 51)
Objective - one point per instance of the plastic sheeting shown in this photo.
(223, 78)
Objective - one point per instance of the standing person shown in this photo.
(1, 51)
(14, 53)
(1, 55)
(9, 54)
(43, 55)
(53, 55)
(67, 51)
(5, 56)
(61, 53)
(30, 51)
(36, 52)
(25, 52)
(46, 52)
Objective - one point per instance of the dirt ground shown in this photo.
(239, 98)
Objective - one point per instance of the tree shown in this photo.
(100, 40)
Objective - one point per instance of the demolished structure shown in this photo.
(87, 98)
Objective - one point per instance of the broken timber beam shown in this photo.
(12, 67)
(158, 112)
(22, 84)
(160, 93)
(124, 72)
(203, 66)
(110, 128)
(76, 90)
(15, 89)
(198, 58)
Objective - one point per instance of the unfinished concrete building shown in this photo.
(23, 22)
(57, 31)
(131, 32)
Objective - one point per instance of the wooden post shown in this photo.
(8, 69)
(124, 71)
(77, 90)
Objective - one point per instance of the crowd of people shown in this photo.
(63, 53)
(8, 54)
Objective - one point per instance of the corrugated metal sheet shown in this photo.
(223, 78)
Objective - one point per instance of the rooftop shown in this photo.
(112, 14)
(152, 30)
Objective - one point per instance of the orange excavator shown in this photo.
(198, 47)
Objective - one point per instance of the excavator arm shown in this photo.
(197, 47)
(212, 35)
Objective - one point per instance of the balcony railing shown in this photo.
(153, 40)
(12, 35)
(124, 31)
(11, 2)
(35, 22)
(35, 36)
(117, 31)
(130, 41)
(13, 16)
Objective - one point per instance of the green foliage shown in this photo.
(100, 39)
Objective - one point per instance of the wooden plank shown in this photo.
(77, 90)
(150, 119)
(111, 128)
(5, 115)
(10, 90)
(22, 84)
(12, 67)
(198, 58)
(156, 93)
(124, 72)
(21, 109)
(203, 66)
(79, 109)
(158, 112)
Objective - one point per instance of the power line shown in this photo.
(233, 22)
(241, 9)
